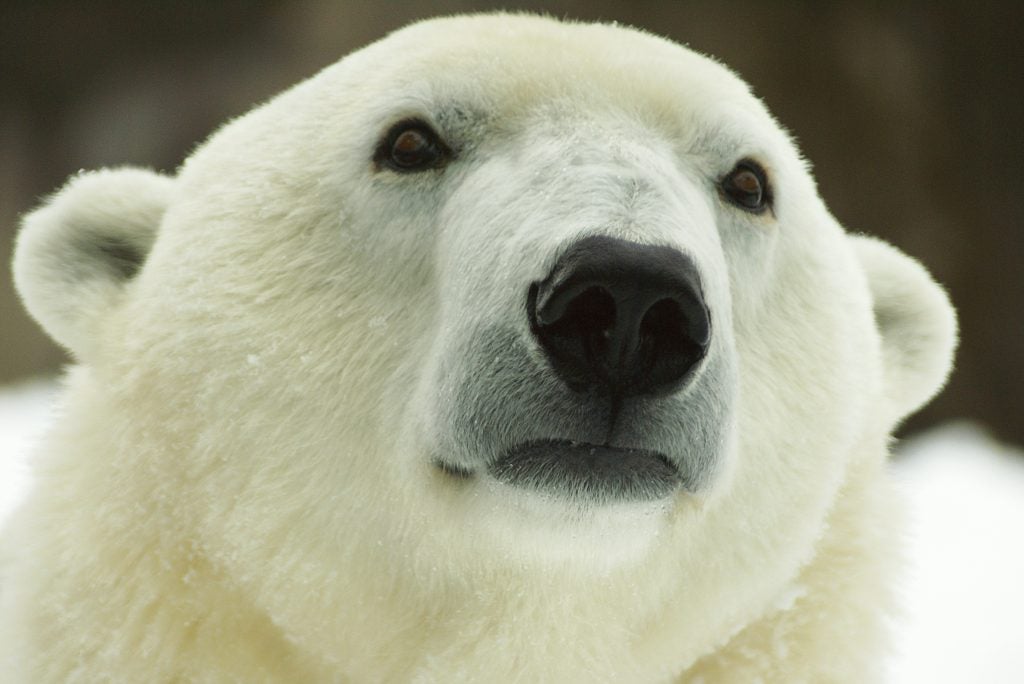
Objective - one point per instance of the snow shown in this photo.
(965, 587)
(965, 590)
(25, 411)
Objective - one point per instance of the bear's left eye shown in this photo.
(746, 186)
(411, 145)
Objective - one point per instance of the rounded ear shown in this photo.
(76, 252)
(916, 322)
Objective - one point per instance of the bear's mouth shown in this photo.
(587, 472)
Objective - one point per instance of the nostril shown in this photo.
(663, 320)
(672, 340)
(575, 330)
(591, 313)
(677, 321)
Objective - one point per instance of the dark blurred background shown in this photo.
(912, 112)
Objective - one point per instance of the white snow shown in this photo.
(964, 591)
(25, 411)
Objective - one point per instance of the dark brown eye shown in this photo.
(410, 146)
(746, 186)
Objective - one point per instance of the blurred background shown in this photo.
(911, 112)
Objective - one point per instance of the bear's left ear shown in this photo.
(76, 252)
(916, 322)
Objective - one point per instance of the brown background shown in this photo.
(912, 112)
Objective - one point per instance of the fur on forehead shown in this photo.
(501, 62)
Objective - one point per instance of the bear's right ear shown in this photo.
(77, 251)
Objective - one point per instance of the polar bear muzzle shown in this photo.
(622, 330)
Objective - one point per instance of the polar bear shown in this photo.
(504, 349)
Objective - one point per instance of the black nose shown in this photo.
(620, 318)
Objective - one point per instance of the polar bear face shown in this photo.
(493, 295)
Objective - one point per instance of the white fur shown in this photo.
(914, 317)
(65, 284)
(241, 486)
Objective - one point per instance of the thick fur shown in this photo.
(275, 342)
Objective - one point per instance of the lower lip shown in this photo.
(587, 472)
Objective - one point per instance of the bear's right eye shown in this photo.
(411, 145)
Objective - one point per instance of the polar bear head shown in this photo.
(493, 297)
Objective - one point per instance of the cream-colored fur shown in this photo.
(274, 342)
